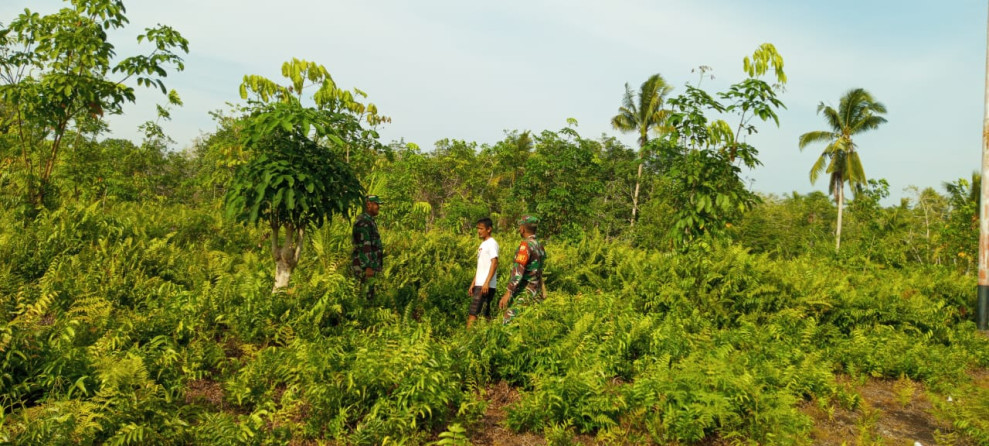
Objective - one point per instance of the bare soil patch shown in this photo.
(204, 391)
(892, 412)
(490, 430)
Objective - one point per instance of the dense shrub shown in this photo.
(163, 330)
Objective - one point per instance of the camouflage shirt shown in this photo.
(527, 272)
(368, 250)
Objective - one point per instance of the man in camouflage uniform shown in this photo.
(368, 253)
(525, 286)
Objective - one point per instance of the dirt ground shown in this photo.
(891, 413)
(491, 430)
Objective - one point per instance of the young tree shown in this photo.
(857, 113)
(641, 112)
(59, 74)
(706, 193)
(703, 181)
(296, 176)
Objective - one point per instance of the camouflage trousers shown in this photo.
(519, 303)
(365, 285)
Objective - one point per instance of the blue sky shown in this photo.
(471, 70)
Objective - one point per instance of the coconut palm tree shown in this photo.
(857, 113)
(641, 112)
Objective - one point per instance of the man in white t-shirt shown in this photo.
(482, 288)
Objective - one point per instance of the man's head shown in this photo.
(528, 225)
(484, 227)
(373, 205)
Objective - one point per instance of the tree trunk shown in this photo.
(283, 271)
(927, 231)
(840, 194)
(39, 198)
(635, 196)
(287, 255)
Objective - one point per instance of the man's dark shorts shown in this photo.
(481, 302)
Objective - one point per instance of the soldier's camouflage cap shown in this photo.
(375, 199)
(528, 219)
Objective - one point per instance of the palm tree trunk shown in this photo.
(643, 140)
(635, 196)
(840, 193)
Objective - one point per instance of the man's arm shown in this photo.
(521, 257)
(491, 273)
(518, 269)
(357, 234)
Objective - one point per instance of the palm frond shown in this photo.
(623, 122)
(831, 116)
(841, 146)
(642, 111)
(834, 164)
(815, 170)
(814, 137)
(868, 123)
(877, 107)
(628, 100)
(853, 169)
(851, 104)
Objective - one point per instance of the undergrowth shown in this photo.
(161, 329)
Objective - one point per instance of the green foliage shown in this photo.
(789, 226)
(555, 183)
(571, 181)
(960, 228)
(764, 57)
(68, 76)
(642, 110)
(139, 329)
(702, 184)
(137, 314)
(290, 180)
(707, 195)
(678, 347)
(857, 112)
(967, 408)
(455, 435)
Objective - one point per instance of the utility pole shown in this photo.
(983, 305)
